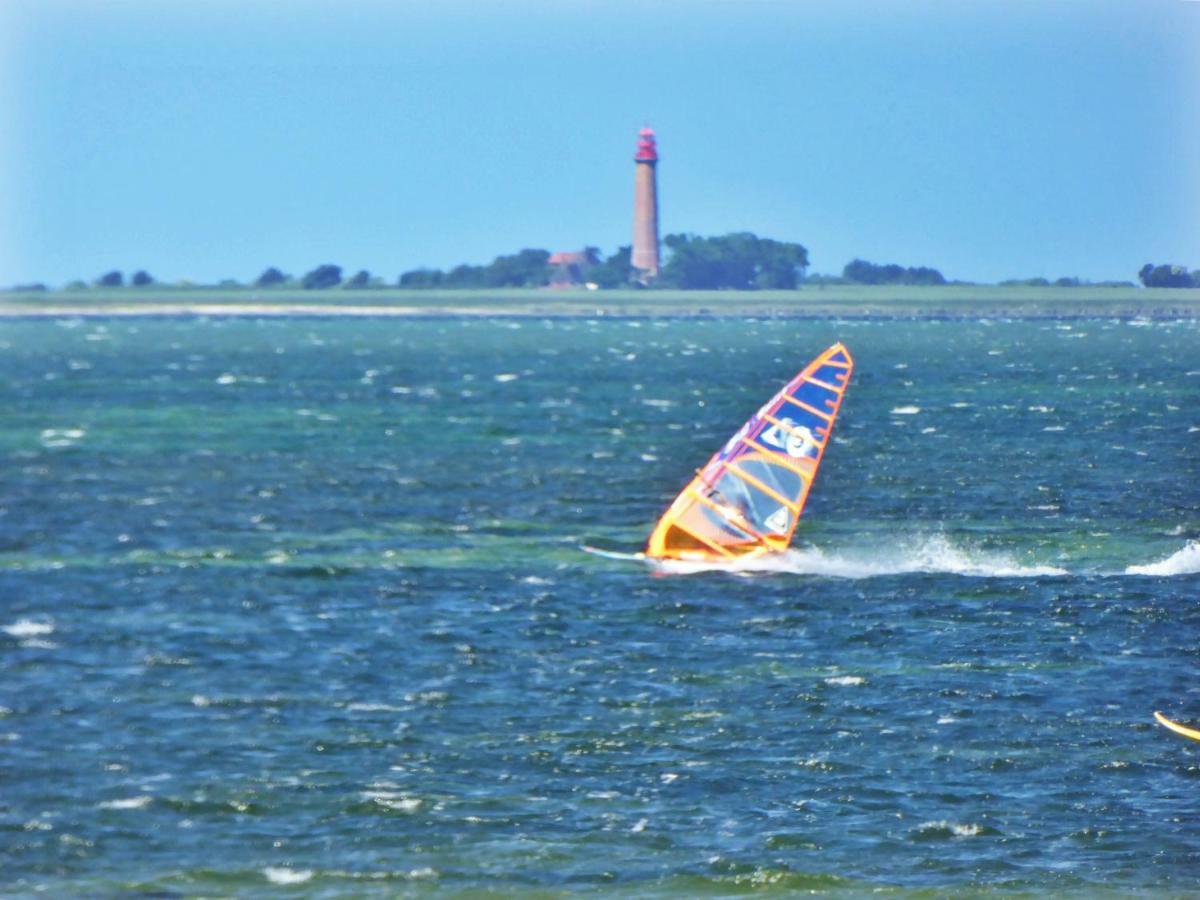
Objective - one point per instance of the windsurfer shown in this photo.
(764, 472)
(735, 510)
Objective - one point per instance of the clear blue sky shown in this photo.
(212, 139)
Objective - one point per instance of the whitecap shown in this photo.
(282, 875)
(505, 377)
(373, 707)
(906, 410)
(845, 680)
(61, 437)
(24, 628)
(127, 803)
(1181, 562)
(393, 800)
(949, 828)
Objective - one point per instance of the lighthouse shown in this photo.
(645, 209)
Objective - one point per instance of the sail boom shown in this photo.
(746, 529)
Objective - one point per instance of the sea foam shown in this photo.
(282, 875)
(1182, 562)
(24, 628)
(935, 554)
(127, 803)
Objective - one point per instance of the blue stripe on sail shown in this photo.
(815, 396)
(834, 375)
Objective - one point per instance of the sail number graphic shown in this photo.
(797, 440)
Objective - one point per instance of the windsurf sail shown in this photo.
(748, 498)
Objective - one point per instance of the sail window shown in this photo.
(785, 482)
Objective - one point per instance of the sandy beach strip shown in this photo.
(253, 310)
(957, 302)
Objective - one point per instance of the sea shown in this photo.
(298, 607)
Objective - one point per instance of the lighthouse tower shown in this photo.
(645, 209)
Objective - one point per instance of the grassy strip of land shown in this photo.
(834, 300)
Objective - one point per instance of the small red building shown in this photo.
(569, 268)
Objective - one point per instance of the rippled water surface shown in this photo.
(299, 606)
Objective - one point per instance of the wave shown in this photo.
(927, 555)
(27, 628)
(1182, 562)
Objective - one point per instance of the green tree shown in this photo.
(738, 261)
(1167, 276)
(859, 271)
(422, 278)
(524, 269)
(325, 276)
(464, 276)
(360, 279)
(111, 279)
(141, 278)
(270, 277)
(615, 271)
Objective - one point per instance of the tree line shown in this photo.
(739, 261)
(1168, 276)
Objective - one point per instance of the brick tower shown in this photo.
(645, 209)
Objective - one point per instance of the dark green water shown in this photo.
(297, 606)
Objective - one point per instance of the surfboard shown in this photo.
(1176, 727)
(613, 554)
(747, 500)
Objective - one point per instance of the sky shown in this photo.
(210, 139)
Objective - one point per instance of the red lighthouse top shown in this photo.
(646, 151)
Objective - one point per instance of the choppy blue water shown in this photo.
(298, 606)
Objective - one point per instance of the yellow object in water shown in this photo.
(1177, 728)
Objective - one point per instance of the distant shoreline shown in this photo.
(844, 301)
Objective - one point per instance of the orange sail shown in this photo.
(748, 498)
